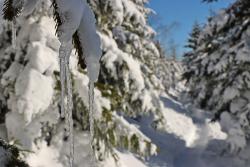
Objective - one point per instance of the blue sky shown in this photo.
(185, 12)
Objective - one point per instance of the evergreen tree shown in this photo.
(220, 80)
(128, 86)
(168, 71)
(194, 37)
(127, 43)
(189, 57)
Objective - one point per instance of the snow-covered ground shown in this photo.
(187, 138)
(191, 140)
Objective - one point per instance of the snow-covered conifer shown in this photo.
(220, 80)
(190, 56)
(127, 87)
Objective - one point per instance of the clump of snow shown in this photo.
(32, 98)
(90, 42)
(36, 52)
(125, 160)
(236, 137)
(44, 156)
(11, 74)
(230, 93)
(116, 55)
(71, 13)
(175, 124)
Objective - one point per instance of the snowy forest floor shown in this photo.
(191, 139)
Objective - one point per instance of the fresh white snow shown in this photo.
(186, 138)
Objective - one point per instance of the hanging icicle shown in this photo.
(67, 15)
(91, 94)
(69, 117)
(64, 55)
(13, 29)
(62, 63)
(91, 44)
(91, 111)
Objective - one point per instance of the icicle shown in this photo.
(62, 78)
(64, 54)
(91, 47)
(91, 118)
(91, 109)
(69, 108)
(13, 28)
(93, 72)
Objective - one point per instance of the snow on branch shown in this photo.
(11, 9)
(75, 23)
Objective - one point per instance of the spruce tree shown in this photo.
(189, 57)
(127, 86)
(220, 81)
